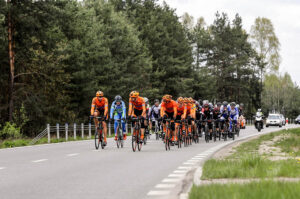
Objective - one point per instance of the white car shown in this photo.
(274, 120)
(283, 119)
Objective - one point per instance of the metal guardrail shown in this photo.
(72, 130)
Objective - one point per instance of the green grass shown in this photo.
(247, 163)
(291, 145)
(250, 167)
(254, 190)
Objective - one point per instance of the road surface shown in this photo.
(76, 170)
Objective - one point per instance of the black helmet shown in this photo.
(156, 101)
(225, 103)
(118, 98)
(200, 102)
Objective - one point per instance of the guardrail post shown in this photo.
(82, 131)
(90, 130)
(48, 132)
(66, 128)
(75, 131)
(57, 131)
(109, 129)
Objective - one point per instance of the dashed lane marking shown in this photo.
(2, 168)
(158, 193)
(165, 186)
(41, 160)
(171, 180)
(185, 168)
(72, 154)
(180, 171)
(173, 175)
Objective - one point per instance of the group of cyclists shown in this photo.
(183, 117)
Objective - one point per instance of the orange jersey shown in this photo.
(181, 109)
(191, 109)
(139, 104)
(168, 107)
(102, 105)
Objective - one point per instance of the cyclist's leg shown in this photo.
(96, 114)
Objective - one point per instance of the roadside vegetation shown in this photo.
(269, 159)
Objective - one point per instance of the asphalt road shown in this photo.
(76, 170)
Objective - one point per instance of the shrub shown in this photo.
(10, 130)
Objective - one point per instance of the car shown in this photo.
(283, 119)
(274, 120)
(297, 120)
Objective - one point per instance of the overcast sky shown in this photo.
(285, 15)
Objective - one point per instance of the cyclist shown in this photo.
(99, 108)
(154, 114)
(224, 116)
(169, 111)
(181, 112)
(198, 115)
(117, 112)
(207, 115)
(147, 118)
(190, 113)
(217, 115)
(233, 114)
(137, 108)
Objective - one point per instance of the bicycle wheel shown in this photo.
(118, 140)
(134, 141)
(138, 140)
(179, 138)
(101, 139)
(145, 139)
(206, 134)
(97, 140)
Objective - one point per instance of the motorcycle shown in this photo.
(259, 123)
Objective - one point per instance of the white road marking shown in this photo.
(165, 186)
(179, 171)
(193, 160)
(41, 160)
(189, 163)
(176, 175)
(158, 193)
(2, 168)
(73, 154)
(185, 168)
(171, 180)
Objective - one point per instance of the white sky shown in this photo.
(284, 14)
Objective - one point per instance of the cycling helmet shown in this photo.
(259, 110)
(210, 104)
(156, 101)
(219, 104)
(167, 98)
(180, 100)
(134, 94)
(99, 94)
(200, 102)
(146, 100)
(118, 98)
(233, 104)
(205, 104)
(238, 106)
(185, 100)
(225, 103)
(241, 105)
(191, 100)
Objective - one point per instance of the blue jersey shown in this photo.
(118, 109)
(233, 112)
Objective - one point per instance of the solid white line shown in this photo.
(171, 180)
(41, 160)
(2, 168)
(158, 193)
(164, 186)
(73, 154)
(176, 175)
(179, 171)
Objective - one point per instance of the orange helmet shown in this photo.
(180, 100)
(167, 98)
(134, 94)
(191, 100)
(99, 94)
(185, 100)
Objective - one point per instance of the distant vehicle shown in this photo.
(274, 120)
(297, 120)
(283, 119)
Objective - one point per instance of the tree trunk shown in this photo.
(11, 63)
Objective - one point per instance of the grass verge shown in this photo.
(254, 190)
(247, 163)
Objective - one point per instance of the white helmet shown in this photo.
(146, 100)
